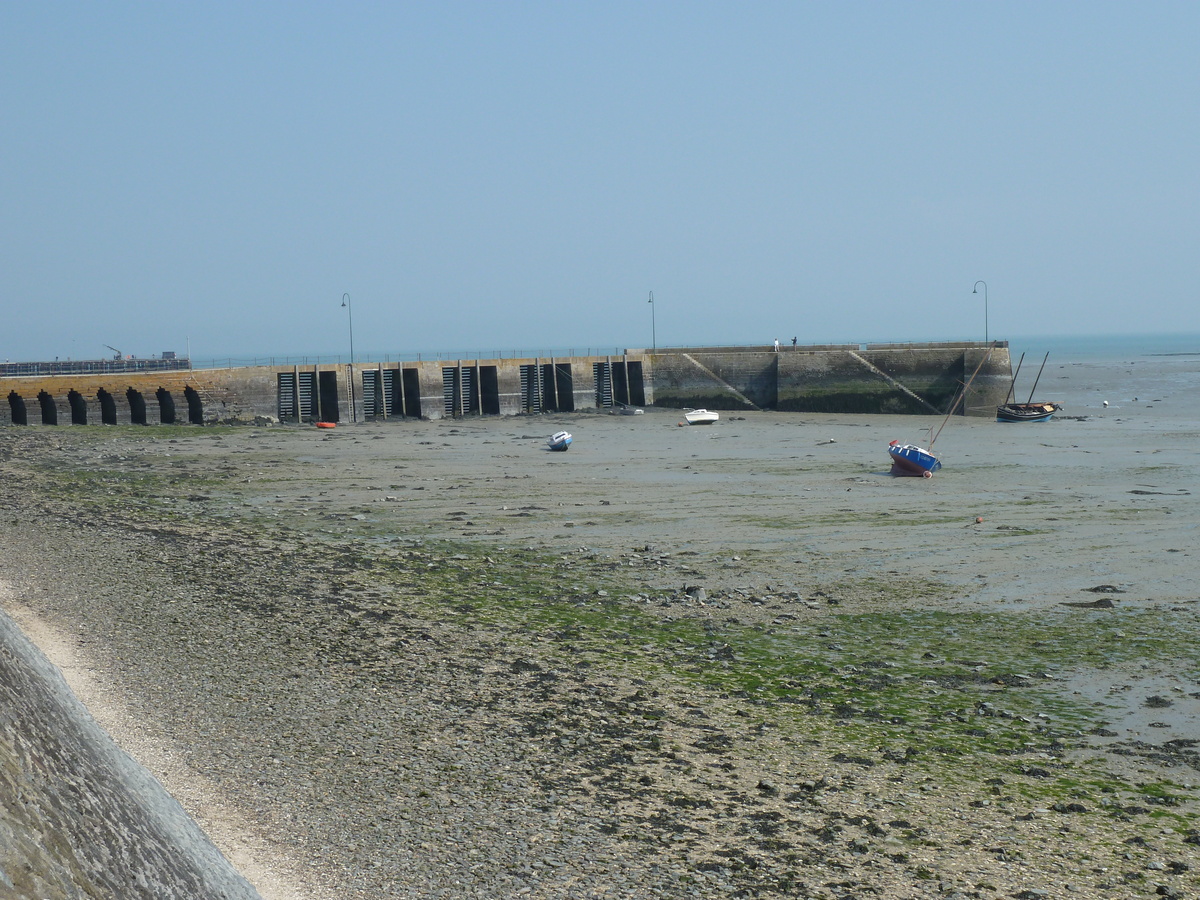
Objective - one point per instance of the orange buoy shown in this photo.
(327, 425)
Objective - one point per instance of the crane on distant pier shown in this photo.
(114, 350)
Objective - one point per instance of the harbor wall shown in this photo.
(841, 378)
(136, 398)
(847, 378)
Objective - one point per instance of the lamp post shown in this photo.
(350, 315)
(975, 290)
(653, 332)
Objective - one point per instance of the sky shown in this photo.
(483, 177)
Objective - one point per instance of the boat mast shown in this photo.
(1039, 375)
(961, 396)
(1012, 388)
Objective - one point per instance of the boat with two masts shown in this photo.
(1027, 411)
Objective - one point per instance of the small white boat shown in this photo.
(560, 440)
(700, 417)
(623, 410)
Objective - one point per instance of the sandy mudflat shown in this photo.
(411, 657)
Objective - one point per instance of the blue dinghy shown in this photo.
(909, 459)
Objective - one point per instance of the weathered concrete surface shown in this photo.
(717, 379)
(918, 379)
(223, 394)
(78, 817)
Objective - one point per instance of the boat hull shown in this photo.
(559, 441)
(909, 459)
(700, 417)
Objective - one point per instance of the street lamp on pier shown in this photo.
(653, 331)
(975, 290)
(350, 315)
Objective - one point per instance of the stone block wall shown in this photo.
(883, 378)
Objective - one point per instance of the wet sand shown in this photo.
(772, 524)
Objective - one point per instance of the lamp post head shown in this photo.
(345, 300)
(975, 290)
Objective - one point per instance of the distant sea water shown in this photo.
(1110, 347)
(1138, 374)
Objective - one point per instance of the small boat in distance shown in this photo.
(626, 410)
(700, 417)
(1027, 411)
(560, 440)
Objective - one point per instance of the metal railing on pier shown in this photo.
(233, 362)
(91, 366)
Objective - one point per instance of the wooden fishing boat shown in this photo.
(1027, 411)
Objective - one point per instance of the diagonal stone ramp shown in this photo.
(721, 381)
(896, 384)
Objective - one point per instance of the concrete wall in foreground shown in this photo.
(79, 819)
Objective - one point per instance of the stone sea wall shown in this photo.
(920, 379)
(898, 379)
(78, 817)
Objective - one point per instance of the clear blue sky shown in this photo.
(483, 175)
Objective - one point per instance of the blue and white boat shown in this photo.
(909, 459)
(560, 440)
